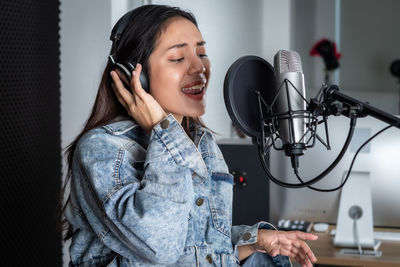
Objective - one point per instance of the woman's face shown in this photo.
(179, 69)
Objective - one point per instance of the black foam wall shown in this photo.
(30, 166)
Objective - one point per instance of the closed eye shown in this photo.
(177, 59)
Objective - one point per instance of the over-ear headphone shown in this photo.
(125, 68)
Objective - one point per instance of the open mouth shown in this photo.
(194, 90)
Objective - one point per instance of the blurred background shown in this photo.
(53, 53)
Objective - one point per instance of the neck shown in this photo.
(179, 118)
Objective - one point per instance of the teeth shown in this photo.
(196, 87)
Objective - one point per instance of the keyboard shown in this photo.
(292, 225)
(388, 236)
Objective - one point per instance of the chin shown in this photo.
(198, 113)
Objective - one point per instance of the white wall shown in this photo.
(84, 31)
(232, 28)
(276, 27)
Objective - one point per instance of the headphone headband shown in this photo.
(120, 26)
(127, 66)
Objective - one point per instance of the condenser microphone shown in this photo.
(268, 104)
(290, 102)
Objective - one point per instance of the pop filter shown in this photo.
(395, 68)
(245, 76)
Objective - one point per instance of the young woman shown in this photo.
(149, 186)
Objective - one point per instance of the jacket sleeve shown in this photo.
(245, 234)
(145, 217)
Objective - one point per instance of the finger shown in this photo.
(303, 258)
(305, 250)
(121, 100)
(306, 263)
(311, 256)
(298, 259)
(135, 82)
(118, 95)
(301, 261)
(294, 253)
(273, 251)
(287, 251)
(293, 250)
(298, 252)
(303, 235)
(120, 90)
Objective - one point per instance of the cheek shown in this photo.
(166, 74)
(164, 84)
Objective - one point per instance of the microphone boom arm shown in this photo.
(363, 109)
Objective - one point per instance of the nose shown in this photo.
(196, 65)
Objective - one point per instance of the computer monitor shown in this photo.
(381, 158)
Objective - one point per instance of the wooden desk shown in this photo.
(327, 254)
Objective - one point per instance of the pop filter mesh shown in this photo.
(247, 75)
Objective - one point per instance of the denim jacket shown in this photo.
(159, 199)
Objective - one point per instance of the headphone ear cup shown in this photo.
(126, 71)
(144, 81)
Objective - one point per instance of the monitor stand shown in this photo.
(355, 221)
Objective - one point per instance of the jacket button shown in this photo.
(246, 236)
(164, 124)
(199, 201)
(209, 259)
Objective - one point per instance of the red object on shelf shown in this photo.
(316, 47)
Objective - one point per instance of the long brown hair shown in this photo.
(137, 42)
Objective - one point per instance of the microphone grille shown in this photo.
(287, 61)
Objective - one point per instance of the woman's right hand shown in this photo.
(139, 104)
(287, 243)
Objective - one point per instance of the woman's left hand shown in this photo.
(290, 243)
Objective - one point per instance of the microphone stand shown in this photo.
(362, 109)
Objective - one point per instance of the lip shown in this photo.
(203, 81)
(200, 96)
(197, 97)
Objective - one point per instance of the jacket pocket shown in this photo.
(221, 202)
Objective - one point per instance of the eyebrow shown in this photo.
(201, 43)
